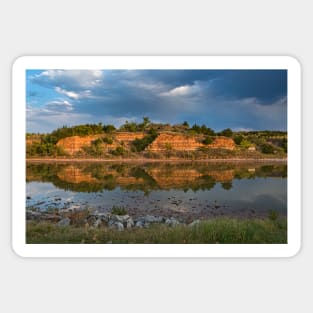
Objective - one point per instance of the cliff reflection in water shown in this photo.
(95, 177)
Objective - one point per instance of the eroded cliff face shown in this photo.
(172, 141)
(74, 144)
(165, 141)
(222, 142)
(181, 142)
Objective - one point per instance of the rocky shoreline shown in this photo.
(91, 218)
(97, 219)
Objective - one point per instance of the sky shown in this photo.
(236, 99)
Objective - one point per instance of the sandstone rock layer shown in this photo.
(181, 142)
(166, 141)
(74, 144)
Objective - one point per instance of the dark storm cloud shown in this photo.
(265, 85)
(240, 99)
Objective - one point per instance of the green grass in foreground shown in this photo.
(219, 230)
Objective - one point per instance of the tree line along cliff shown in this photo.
(151, 140)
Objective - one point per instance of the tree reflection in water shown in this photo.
(96, 177)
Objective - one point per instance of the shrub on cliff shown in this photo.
(208, 140)
(245, 144)
(109, 128)
(134, 127)
(107, 140)
(79, 130)
(129, 127)
(226, 132)
(119, 151)
(139, 145)
(267, 148)
(238, 139)
(202, 130)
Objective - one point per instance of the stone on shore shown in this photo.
(172, 222)
(119, 226)
(194, 223)
(64, 222)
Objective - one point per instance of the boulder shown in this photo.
(172, 222)
(97, 223)
(64, 222)
(194, 223)
(119, 226)
(130, 223)
(120, 218)
(139, 224)
(33, 215)
(153, 219)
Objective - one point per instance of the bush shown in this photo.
(118, 151)
(95, 149)
(238, 139)
(97, 142)
(139, 145)
(196, 128)
(129, 127)
(109, 128)
(245, 144)
(208, 140)
(226, 132)
(79, 130)
(267, 148)
(108, 140)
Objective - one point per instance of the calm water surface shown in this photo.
(197, 189)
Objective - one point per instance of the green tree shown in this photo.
(238, 139)
(186, 124)
(109, 128)
(206, 130)
(245, 144)
(146, 122)
(118, 151)
(267, 148)
(226, 132)
(139, 145)
(208, 140)
(130, 127)
(196, 128)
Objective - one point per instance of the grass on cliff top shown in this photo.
(219, 230)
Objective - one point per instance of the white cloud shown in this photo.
(178, 91)
(70, 94)
(58, 106)
(197, 89)
(146, 86)
(242, 129)
(71, 78)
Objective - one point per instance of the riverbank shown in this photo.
(147, 160)
(117, 226)
(214, 231)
